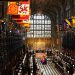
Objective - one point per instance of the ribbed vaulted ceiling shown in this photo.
(49, 7)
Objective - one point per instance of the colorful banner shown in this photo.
(73, 22)
(67, 24)
(12, 8)
(21, 8)
(20, 12)
(20, 17)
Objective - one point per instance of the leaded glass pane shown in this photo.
(38, 21)
(42, 17)
(38, 17)
(38, 32)
(35, 21)
(42, 21)
(35, 17)
(42, 27)
(49, 22)
(46, 22)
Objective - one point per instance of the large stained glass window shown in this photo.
(40, 26)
